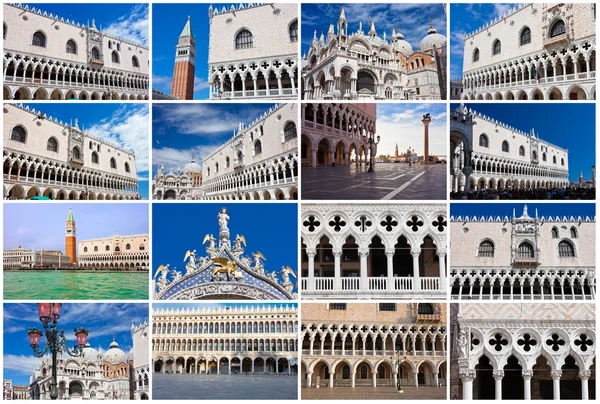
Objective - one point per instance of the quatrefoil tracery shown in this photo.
(414, 223)
(583, 342)
(555, 342)
(527, 342)
(337, 223)
(498, 342)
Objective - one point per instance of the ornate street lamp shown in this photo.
(372, 140)
(55, 340)
(398, 363)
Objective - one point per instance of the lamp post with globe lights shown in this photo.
(56, 342)
(398, 364)
(373, 141)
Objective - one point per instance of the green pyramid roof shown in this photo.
(187, 30)
(70, 217)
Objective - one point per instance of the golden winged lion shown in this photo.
(224, 266)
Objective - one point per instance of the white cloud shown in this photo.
(21, 364)
(128, 127)
(133, 27)
(200, 84)
(173, 158)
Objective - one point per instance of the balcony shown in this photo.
(77, 161)
(526, 261)
(371, 287)
(96, 62)
(564, 37)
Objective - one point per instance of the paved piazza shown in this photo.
(388, 181)
(223, 387)
(372, 393)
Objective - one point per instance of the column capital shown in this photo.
(336, 253)
(556, 374)
(311, 252)
(527, 374)
(363, 252)
(441, 252)
(467, 375)
(585, 374)
(415, 253)
(390, 251)
(498, 374)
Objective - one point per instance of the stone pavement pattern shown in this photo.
(371, 393)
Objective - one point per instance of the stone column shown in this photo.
(556, 375)
(312, 341)
(363, 253)
(309, 379)
(416, 378)
(389, 253)
(467, 376)
(311, 269)
(426, 122)
(442, 256)
(337, 280)
(584, 375)
(527, 375)
(313, 153)
(353, 379)
(375, 379)
(498, 375)
(331, 380)
(416, 276)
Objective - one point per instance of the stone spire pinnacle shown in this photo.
(187, 30)
(372, 31)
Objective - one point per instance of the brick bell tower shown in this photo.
(182, 86)
(70, 238)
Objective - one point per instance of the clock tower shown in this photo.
(70, 238)
(182, 86)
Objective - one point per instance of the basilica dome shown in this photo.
(401, 45)
(89, 352)
(192, 168)
(432, 39)
(114, 355)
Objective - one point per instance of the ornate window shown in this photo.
(476, 55)
(18, 134)
(365, 81)
(534, 155)
(96, 249)
(505, 146)
(525, 250)
(293, 30)
(244, 39)
(128, 246)
(39, 39)
(117, 249)
(71, 47)
(107, 248)
(85, 249)
(52, 145)
(558, 28)
(497, 47)
(543, 156)
(257, 147)
(486, 249)
(109, 44)
(525, 36)
(573, 232)
(95, 159)
(95, 53)
(562, 162)
(554, 159)
(76, 153)
(227, 162)
(216, 167)
(425, 308)
(289, 132)
(115, 57)
(337, 306)
(521, 151)
(142, 247)
(135, 62)
(554, 232)
(127, 170)
(483, 141)
(565, 249)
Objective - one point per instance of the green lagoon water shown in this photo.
(75, 285)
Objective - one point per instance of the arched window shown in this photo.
(554, 159)
(476, 55)
(364, 373)
(425, 308)
(71, 47)
(128, 246)
(142, 248)
(505, 146)
(52, 145)
(565, 249)
(486, 249)
(525, 36)
(96, 249)
(289, 132)
(483, 141)
(257, 147)
(4, 31)
(521, 151)
(497, 47)
(113, 163)
(562, 162)
(127, 170)
(573, 232)
(107, 248)
(346, 372)
(90, 145)
(119, 47)
(293, 29)
(207, 171)
(558, 28)
(39, 39)
(85, 249)
(244, 39)
(554, 232)
(534, 155)
(109, 44)
(227, 162)
(76, 153)
(381, 372)
(365, 81)
(216, 167)
(525, 250)
(117, 249)
(543, 156)
(95, 53)
(135, 62)
(115, 57)
(18, 134)
(94, 157)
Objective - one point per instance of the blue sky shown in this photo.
(170, 20)
(506, 209)
(401, 124)
(127, 21)
(412, 18)
(581, 144)
(102, 320)
(270, 228)
(125, 125)
(466, 18)
(22, 222)
(178, 130)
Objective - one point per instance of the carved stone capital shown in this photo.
(585, 374)
(527, 374)
(556, 374)
(498, 374)
(467, 375)
(311, 252)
